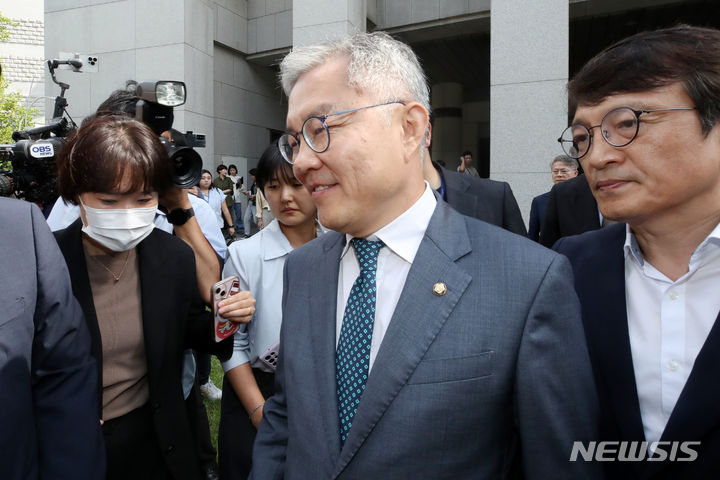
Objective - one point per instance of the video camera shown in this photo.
(33, 156)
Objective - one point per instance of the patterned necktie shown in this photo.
(352, 359)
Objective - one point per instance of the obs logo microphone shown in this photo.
(42, 150)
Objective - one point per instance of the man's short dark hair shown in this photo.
(649, 60)
(119, 102)
(220, 167)
(466, 152)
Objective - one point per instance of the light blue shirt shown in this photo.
(215, 198)
(258, 262)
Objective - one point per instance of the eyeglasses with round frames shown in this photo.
(619, 127)
(316, 133)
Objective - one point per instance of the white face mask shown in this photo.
(119, 229)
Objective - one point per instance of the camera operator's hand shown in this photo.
(238, 308)
(175, 198)
(207, 265)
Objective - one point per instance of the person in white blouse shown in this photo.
(215, 198)
(259, 262)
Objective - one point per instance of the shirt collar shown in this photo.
(632, 249)
(404, 234)
(274, 243)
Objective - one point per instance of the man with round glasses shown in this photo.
(415, 342)
(646, 133)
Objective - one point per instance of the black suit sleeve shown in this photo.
(534, 229)
(512, 218)
(550, 231)
(64, 375)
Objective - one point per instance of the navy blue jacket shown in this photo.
(598, 263)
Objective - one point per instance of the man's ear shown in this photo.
(415, 123)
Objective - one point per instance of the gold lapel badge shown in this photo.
(439, 289)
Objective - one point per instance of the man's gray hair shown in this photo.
(568, 161)
(379, 65)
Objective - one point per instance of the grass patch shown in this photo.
(213, 406)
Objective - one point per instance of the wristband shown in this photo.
(255, 410)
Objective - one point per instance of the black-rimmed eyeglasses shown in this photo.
(619, 127)
(316, 133)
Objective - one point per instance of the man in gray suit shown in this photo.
(49, 417)
(416, 342)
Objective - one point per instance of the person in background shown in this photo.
(226, 185)
(48, 402)
(263, 210)
(138, 289)
(250, 217)
(561, 168)
(215, 198)
(237, 199)
(487, 200)
(466, 164)
(258, 262)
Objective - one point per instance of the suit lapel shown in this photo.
(323, 312)
(154, 295)
(418, 317)
(605, 317)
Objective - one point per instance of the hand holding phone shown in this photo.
(220, 291)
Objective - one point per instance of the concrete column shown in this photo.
(446, 105)
(319, 20)
(528, 102)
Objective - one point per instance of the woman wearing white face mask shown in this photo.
(138, 290)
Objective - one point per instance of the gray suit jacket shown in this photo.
(49, 420)
(463, 386)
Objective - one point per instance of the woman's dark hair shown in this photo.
(649, 60)
(272, 166)
(108, 151)
(203, 172)
(231, 166)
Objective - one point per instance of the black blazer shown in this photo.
(571, 209)
(174, 318)
(487, 200)
(598, 263)
(537, 213)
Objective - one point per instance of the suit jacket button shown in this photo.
(169, 450)
(439, 289)
(156, 407)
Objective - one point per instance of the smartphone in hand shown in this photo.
(220, 291)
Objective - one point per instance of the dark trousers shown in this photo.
(203, 365)
(132, 448)
(198, 420)
(237, 433)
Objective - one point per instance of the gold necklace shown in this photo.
(116, 277)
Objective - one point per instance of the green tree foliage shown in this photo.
(13, 114)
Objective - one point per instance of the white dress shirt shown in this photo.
(402, 239)
(668, 324)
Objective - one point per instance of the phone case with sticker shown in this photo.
(220, 291)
